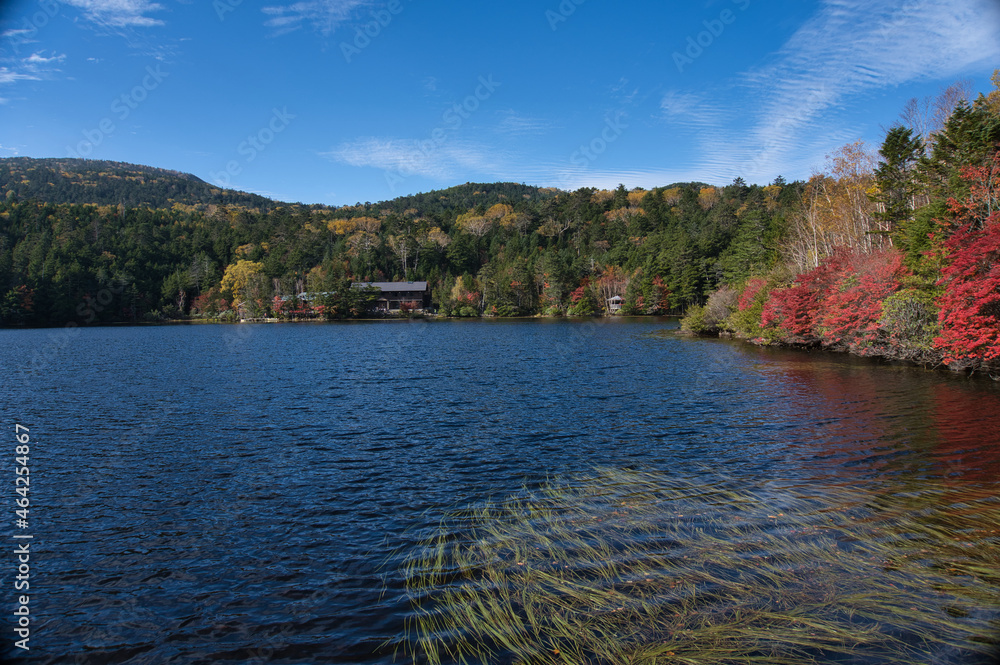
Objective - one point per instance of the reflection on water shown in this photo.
(888, 419)
(204, 496)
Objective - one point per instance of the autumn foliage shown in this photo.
(838, 304)
(970, 304)
(750, 293)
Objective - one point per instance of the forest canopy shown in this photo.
(888, 250)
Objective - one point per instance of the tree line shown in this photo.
(893, 252)
(871, 255)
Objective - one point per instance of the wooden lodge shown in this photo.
(396, 296)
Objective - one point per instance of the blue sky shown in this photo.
(340, 101)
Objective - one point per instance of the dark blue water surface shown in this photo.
(232, 494)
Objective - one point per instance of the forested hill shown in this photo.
(113, 183)
(890, 250)
(467, 196)
(86, 181)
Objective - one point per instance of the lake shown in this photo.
(257, 493)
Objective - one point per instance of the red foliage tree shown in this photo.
(838, 303)
(750, 293)
(659, 297)
(970, 305)
(794, 310)
(278, 306)
(851, 312)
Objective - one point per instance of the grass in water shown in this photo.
(632, 567)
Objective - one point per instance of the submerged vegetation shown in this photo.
(634, 567)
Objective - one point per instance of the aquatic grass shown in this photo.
(634, 567)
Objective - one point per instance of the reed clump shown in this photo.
(634, 567)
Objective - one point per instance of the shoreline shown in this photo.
(934, 363)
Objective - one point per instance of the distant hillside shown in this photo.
(469, 195)
(78, 181)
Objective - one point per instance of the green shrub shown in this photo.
(910, 321)
(694, 320)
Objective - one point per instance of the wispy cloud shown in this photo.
(3, 148)
(18, 34)
(323, 15)
(8, 76)
(39, 60)
(119, 13)
(572, 180)
(854, 47)
(849, 49)
(406, 157)
(35, 67)
(513, 123)
(693, 109)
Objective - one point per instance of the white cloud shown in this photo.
(571, 180)
(516, 124)
(406, 157)
(693, 109)
(119, 13)
(3, 148)
(854, 47)
(322, 15)
(36, 67)
(37, 59)
(9, 76)
(847, 51)
(17, 33)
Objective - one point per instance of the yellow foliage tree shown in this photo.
(515, 220)
(472, 223)
(602, 196)
(836, 210)
(237, 278)
(341, 226)
(438, 237)
(624, 215)
(771, 194)
(366, 235)
(672, 196)
(708, 197)
(499, 211)
(993, 99)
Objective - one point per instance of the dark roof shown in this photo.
(393, 287)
